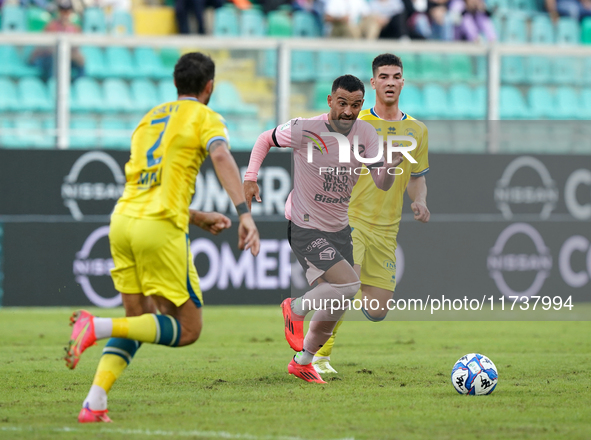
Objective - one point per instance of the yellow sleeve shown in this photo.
(422, 156)
(213, 129)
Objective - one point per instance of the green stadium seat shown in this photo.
(225, 22)
(460, 67)
(410, 68)
(585, 74)
(538, 69)
(37, 19)
(34, 96)
(585, 107)
(436, 102)
(115, 133)
(512, 69)
(120, 63)
(93, 21)
(169, 57)
(369, 100)
(226, 100)
(143, 95)
(512, 104)
(13, 19)
(542, 30)
(279, 24)
(565, 70)
(481, 68)
(7, 137)
(117, 97)
(528, 6)
(357, 64)
(167, 91)
(121, 23)
(149, 64)
(461, 102)
(302, 65)
(83, 133)
(48, 134)
(247, 132)
(567, 31)
(268, 64)
(305, 25)
(541, 102)
(411, 101)
(480, 108)
(86, 96)
(586, 30)
(432, 67)
(321, 90)
(12, 64)
(328, 65)
(567, 104)
(8, 97)
(252, 23)
(514, 29)
(94, 62)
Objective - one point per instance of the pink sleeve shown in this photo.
(259, 152)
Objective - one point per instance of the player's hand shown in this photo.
(248, 234)
(212, 222)
(397, 157)
(251, 189)
(421, 211)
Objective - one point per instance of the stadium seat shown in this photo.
(305, 25)
(94, 62)
(460, 67)
(8, 97)
(167, 91)
(328, 65)
(436, 103)
(541, 102)
(567, 31)
(33, 95)
(7, 137)
(115, 133)
(93, 21)
(86, 96)
(481, 106)
(37, 19)
(83, 133)
(169, 57)
(358, 64)
(11, 63)
(227, 100)
(461, 102)
(585, 74)
(511, 103)
(321, 91)
(585, 107)
(369, 100)
(120, 63)
(514, 29)
(269, 63)
(117, 97)
(252, 23)
(538, 69)
(302, 65)
(13, 19)
(411, 101)
(432, 67)
(225, 22)
(143, 94)
(279, 24)
(149, 64)
(121, 23)
(567, 104)
(512, 69)
(410, 66)
(26, 133)
(586, 30)
(565, 70)
(542, 30)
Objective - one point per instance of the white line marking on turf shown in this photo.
(160, 433)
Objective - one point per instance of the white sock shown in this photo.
(103, 327)
(317, 358)
(96, 399)
(304, 357)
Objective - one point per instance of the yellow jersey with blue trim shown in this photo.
(167, 149)
(384, 208)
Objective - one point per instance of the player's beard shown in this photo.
(344, 124)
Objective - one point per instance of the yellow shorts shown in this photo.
(374, 249)
(153, 257)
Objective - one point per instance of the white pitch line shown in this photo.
(161, 433)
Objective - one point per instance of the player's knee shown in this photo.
(374, 315)
(348, 290)
(189, 335)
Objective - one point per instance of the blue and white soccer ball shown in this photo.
(474, 374)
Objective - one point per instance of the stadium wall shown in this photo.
(501, 224)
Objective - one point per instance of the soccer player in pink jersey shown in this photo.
(319, 231)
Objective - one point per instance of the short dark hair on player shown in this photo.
(385, 59)
(192, 72)
(349, 83)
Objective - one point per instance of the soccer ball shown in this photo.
(474, 374)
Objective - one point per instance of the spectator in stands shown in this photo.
(315, 7)
(343, 17)
(441, 24)
(473, 19)
(272, 5)
(43, 57)
(577, 9)
(387, 18)
(184, 7)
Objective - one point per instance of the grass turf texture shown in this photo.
(393, 382)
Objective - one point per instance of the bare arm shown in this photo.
(212, 222)
(417, 191)
(259, 152)
(384, 177)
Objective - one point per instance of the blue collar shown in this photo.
(188, 99)
(373, 112)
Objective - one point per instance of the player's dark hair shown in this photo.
(349, 83)
(192, 72)
(385, 59)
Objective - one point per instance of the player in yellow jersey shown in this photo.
(154, 267)
(374, 215)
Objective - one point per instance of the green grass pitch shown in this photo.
(393, 382)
